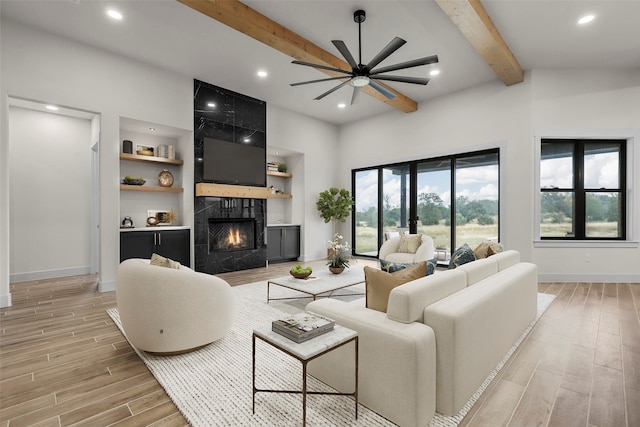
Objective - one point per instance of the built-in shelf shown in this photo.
(279, 174)
(151, 188)
(151, 159)
(239, 191)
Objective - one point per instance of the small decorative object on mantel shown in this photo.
(165, 178)
(339, 254)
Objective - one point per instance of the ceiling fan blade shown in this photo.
(386, 92)
(409, 64)
(317, 81)
(342, 48)
(401, 79)
(331, 90)
(356, 95)
(384, 53)
(324, 67)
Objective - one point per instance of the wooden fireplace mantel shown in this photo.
(204, 189)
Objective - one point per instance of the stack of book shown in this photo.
(273, 166)
(302, 326)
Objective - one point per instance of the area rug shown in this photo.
(212, 386)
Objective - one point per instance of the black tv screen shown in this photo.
(234, 163)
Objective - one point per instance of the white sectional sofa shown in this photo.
(440, 338)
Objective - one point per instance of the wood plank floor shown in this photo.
(63, 362)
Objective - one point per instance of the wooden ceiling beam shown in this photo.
(241, 17)
(472, 20)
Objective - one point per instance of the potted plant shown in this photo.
(334, 205)
(339, 254)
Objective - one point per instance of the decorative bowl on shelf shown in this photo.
(300, 275)
(144, 152)
(133, 181)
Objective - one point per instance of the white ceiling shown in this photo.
(168, 34)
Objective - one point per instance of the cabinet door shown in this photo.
(136, 244)
(291, 243)
(274, 244)
(174, 244)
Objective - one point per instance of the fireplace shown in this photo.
(231, 234)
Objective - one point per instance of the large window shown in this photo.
(452, 199)
(582, 189)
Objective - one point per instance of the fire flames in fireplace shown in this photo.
(234, 240)
(232, 234)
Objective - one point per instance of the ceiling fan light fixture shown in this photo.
(360, 81)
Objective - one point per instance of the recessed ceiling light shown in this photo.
(52, 108)
(342, 105)
(262, 73)
(211, 104)
(434, 72)
(114, 14)
(586, 19)
(152, 129)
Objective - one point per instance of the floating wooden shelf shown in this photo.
(204, 189)
(151, 159)
(151, 188)
(279, 174)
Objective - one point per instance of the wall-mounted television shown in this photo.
(227, 162)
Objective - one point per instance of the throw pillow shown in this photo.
(392, 267)
(409, 243)
(161, 261)
(462, 255)
(380, 283)
(486, 249)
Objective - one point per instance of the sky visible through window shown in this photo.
(601, 171)
(475, 183)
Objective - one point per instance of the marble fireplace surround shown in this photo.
(234, 118)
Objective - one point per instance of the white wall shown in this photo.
(493, 115)
(313, 172)
(50, 185)
(47, 68)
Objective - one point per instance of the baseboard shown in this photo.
(591, 278)
(5, 301)
(106, 286)
(49, 274)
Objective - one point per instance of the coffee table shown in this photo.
(322, 282)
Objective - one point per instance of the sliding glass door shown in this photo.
(453, 199)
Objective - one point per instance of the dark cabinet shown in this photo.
(174, 244)
(283, 243)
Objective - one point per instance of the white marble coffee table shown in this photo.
(322, 282)
(305, 352)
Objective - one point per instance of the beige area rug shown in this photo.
(212, 386)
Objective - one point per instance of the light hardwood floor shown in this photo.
(63, 361)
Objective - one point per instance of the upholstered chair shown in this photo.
(391, 250)
(170, 311)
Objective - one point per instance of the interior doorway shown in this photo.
(53, 191)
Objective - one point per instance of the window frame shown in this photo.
(629, 138)
(497, 150)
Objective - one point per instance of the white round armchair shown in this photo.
(390, 250)
(169, 311)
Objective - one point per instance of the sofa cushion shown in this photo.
(479, 270)
(486, 249)
(462, 255)
(408, 301)
(392, 267)
(380, 283)
(164, 262)
(506, 259)
(409, 243)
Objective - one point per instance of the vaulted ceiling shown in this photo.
(222, 42)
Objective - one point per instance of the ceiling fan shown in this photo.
(362, 75)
